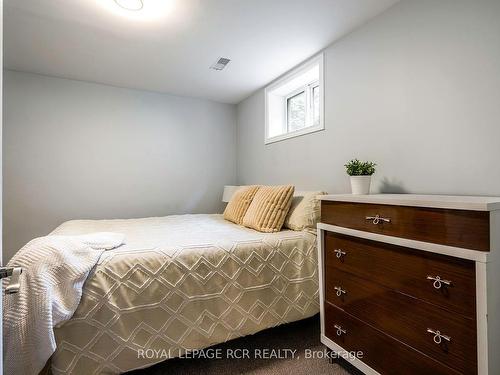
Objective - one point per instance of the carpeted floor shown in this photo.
(297, 336)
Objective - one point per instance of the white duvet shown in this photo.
(183, 282)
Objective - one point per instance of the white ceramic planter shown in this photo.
(360, 184)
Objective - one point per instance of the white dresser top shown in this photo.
(456, 202)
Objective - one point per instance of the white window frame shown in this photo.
(307, 89)
(317, 60)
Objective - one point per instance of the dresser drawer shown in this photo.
(406, 270)
(459, 228)
(381, 352)
(407, 319)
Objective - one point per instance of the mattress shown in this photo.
(182, 283)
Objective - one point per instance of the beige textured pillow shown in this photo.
(239, 203)
(269, 207)
(305, 211)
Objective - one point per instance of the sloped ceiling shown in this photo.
(170, 44)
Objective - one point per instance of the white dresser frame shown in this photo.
(487, 270)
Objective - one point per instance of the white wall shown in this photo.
(417, 90)
(81, 150)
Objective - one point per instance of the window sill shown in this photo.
(298, 133)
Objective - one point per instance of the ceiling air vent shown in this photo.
(220, 64)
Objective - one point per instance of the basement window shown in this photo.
(294, 103)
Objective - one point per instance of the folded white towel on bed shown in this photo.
(54, 271)
(101, 240)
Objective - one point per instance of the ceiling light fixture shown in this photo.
(130, 4)
(140, 11)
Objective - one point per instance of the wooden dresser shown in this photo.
(412, 282)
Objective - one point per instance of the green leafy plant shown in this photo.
(360, 168)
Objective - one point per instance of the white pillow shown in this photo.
(305, 211)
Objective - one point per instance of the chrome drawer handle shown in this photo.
(438, 281)
(339, 291)
(377, 219)
(339, 253)
(340, 330)
(438, 337)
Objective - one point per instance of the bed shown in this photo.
(183, 282)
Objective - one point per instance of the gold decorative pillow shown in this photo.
(305, 211)
(269, 207)
(239, 203)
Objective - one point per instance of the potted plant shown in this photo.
(361, 174)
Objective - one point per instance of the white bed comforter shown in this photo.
(54, 270)
(183, 282)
